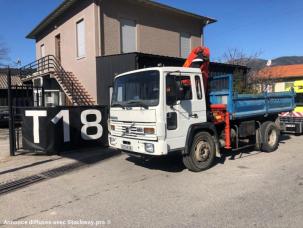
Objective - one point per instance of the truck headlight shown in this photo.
(149, 147)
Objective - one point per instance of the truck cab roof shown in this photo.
(165, 69)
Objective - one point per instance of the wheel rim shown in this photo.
(202, 151)
(272, 137)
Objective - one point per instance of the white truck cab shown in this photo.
(159, 110)
(148, 116)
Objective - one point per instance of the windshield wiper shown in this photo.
(118, 105)
(140, 103)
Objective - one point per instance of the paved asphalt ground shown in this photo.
(256, 190)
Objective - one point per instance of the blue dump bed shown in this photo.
(248, 105)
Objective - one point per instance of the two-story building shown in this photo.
(78, 32)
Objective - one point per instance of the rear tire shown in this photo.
(202, 153)
(258, 140)
(270, 135)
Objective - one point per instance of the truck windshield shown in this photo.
(137, 90)
(299, 99)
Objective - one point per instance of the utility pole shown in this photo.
(12, 145)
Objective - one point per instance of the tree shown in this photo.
(246, 82)
(237, 57)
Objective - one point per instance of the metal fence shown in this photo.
(18, 99)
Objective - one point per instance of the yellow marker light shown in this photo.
(149, 131)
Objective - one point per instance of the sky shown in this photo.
(273, 28)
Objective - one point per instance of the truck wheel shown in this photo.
(270, 134)
(202, 153)
(258, 140)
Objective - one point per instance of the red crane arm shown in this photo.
(199, 58)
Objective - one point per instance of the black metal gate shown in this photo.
(19, 97)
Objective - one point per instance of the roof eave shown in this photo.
(207, 20)
(67, 3)
(46, 21)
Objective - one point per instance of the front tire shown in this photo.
(270, 134)
(202, 153)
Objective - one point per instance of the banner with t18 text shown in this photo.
(58, 129)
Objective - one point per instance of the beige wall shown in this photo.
(158, 31)
(84, 68)
(279, 86)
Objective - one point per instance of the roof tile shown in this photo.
(16, 81)
(278, 72)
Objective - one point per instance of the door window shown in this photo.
(198, 87)
(299, 99)
(183, 83)
(110, 94)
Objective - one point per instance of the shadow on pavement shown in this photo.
(83, 159)
(235, 155)
(284, 137)
(249, 151)
(87, 156)
(91, 156)
(171, 163)
(27, 166)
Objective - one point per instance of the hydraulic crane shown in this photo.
(199, 58)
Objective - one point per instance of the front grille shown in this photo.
(131, 130)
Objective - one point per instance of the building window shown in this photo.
(38, 82)
(128, 36)
(184, 45)
(42, 50)
(52, 98)
(80, 39)
(58, 47)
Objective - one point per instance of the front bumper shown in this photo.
(292, 127)
(137, 145)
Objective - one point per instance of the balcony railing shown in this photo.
(50, 65)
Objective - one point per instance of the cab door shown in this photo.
(190, 109)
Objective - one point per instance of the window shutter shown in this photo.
(128, 36)
(185, 45)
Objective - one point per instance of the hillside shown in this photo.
(285, 60)
(288, 60)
